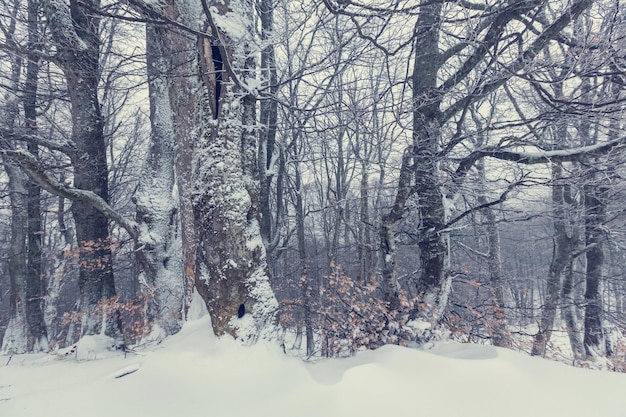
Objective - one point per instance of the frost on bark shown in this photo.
(232, 262)
(75, 31)
(170, 60)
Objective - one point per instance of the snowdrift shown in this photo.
(195, 374)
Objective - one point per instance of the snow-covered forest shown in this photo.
(329, 176)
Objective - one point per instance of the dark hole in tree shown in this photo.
(241, 311)
(218, 64)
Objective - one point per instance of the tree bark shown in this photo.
(34, 285)
(231, 255)
(158, 252)
(595, 217)
(501, 336)
(75, 31)
(15, 338)
(561, 258)
(427, 118)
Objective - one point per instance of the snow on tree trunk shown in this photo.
(159, 251)
(434, 283)
(184, 89)
(232, 262)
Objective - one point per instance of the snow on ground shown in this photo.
(195, 374)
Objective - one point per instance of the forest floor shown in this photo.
(195, 374)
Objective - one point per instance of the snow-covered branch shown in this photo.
(31, 166)
(540, 157)
(60, 18)
(66, 147)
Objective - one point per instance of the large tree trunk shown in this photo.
(427, 118)
(170, 59)
(234, 278)
(75, 30)
(420, 163)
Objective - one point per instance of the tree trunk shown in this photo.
(26, 330)
(16, 336)
(34, 285)
(231, 255)
(568, 311)
(501, 336)
(388, 250)
(305, 285)
(420, 163)
(170, 57)
(434, 282)
(595, 217)
(75, 30)
(561, 258)
(269, 166)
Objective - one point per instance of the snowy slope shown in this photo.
(195, 374)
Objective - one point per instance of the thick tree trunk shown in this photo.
(234, 278)
(434, 283)
(75, 30)
(170, 60)
(159, 251)
(420, 163)
(184, 92)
